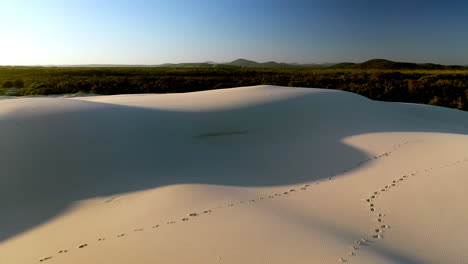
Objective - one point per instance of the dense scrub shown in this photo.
(438, 87)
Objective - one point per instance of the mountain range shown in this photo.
(380, 64)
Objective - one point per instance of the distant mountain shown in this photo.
(382, 64)
(379, 64)
(239, 63)
(243, 63)
(273, 64)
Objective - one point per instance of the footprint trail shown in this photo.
(277, 195)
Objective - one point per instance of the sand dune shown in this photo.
(259, 174)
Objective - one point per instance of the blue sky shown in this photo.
(152, 32)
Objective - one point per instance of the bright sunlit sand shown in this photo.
(260, 174)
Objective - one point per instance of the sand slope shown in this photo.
(257, 174)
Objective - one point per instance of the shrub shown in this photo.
(18, 84)
(7, 84)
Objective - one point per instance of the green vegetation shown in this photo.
(447, 86)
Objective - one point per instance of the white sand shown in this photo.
(82, 171)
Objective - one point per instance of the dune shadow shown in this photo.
(49, 159)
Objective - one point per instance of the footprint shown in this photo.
(101, 239)
(378, 230)
(185, 219)
(230, 205)
(292, 190)
(207, 211)
(303, 189)
(63, 251)
(120, 235)
(138, 230)
(385, 226)
(377, 236)
(83, 245)
(342, 260)
(361, 241)
(155, 226)
(372, 209)
(44, 259)
(193, 214)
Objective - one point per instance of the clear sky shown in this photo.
(308, 31)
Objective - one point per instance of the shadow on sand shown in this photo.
(49, 159)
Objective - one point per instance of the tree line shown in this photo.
(447, 88)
